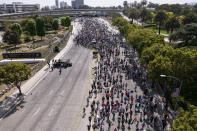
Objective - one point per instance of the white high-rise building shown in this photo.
(63, 4)
(57, 3)
(17, 7)
(77, 3)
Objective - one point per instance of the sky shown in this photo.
(95, 2)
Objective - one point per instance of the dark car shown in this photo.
(62, 64)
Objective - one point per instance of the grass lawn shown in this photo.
(155, 28)
(1, 57)
(193, 47)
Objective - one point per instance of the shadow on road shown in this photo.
(11, 105)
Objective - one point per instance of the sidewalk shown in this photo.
(9, 104)
(139, 23)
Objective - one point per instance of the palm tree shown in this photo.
(171, 24)
(144, 3)
(133, 14)
(160, 18)
(125, 3)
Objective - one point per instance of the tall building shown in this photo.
(57, 3)
(63, 4)
(17, 7)
(77, 3)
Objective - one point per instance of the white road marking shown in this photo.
(51, 112)
(36, 112)
(60, 79)
(50, 92)
(62, 93)
(37, 83)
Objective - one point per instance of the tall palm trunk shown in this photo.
(159, 27)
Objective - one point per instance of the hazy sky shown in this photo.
(95, 2)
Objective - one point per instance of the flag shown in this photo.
(175, 92)
(135, 119)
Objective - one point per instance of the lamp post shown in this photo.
(181, 82)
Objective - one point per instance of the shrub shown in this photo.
(27, 38)
(57, 49)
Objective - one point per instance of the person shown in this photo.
(84, 110)
(48, 63)
(89, 126)
(60, 70)
(90, 118)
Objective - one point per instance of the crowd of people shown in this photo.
(120, 97)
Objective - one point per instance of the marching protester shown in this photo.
(116, 103)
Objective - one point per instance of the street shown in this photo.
(56, 100)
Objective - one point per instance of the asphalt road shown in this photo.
(56, 102)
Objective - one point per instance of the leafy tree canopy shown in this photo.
(55, 24)
(142, 38)
(31, 27)
(14, 73)
(186, 120)
(16, 28)
(40, 27)
(12, 37)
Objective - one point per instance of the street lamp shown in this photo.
(181, 82)
(162, 75)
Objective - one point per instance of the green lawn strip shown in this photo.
(193, 47)
(1, 57)
(155, 28)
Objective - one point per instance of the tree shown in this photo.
(160, 65)
(152, 5)
(175, 8)
(23, 24)
(134, 4)
(149, 53)
(186, 10)
(144, 3)
(123, 25)
(63, 21)
(143, 38)
(186, 120)
(185, 33)
(125, 4)
(55, 24)
(171, 24)
(133, 14)
(145, 15)
(40, 27)
(11, 37)
(195, 8)
(14, 73)
(67, 21)
(31, 27)
(48, 22)
(16, 28)
(160, 19)
(190, 18)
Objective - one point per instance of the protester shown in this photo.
(115, 103)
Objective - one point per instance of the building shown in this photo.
(77, 3)
(17, 7)
(57, 3)
(63, 4)
(73, 5)
(53, 7)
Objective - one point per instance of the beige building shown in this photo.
(17, 7)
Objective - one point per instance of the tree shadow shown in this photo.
(11, 105)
